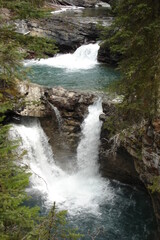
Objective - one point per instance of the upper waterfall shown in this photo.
(85, 57)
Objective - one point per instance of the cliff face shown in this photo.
(145, 148)
(45, 103)
(133, 157)
(69, 32)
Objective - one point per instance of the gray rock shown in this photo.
(77, 31)
(102, 117)
(38, 101)
(106, 56)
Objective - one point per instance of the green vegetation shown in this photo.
(54, 226)
(135, 36)
(155, 187)
(17, 220)
(25, 9)
(28, 45)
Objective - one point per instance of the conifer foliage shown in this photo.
(136, 37)
(17, 220)
(24, 9)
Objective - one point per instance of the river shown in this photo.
(78, 70)
(94, 204)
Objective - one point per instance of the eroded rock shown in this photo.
(39, 101)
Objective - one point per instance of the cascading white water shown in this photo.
(85, 57)
(58, 115)
(67, 8)
(87, 151)
(81, 190)
(39, 157)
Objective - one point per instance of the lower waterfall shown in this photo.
(94, 204)
(83, 188)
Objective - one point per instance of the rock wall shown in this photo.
(133, 157)
(39, 101)
(115, 161)
(76, 32)
(144, 145)
(69, 31)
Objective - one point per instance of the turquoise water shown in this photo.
(96, 78)
(128, 216)
(88, 12)
(128, 213)
(78, 70)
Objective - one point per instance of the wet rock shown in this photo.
(102, 117)
(115, 161)
(39, 101)
(106, 56)
(103, 4)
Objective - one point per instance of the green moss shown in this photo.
(155, 187)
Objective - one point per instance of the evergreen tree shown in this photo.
(17, 221)
(136, 37)
(24, 9)
(55, 226)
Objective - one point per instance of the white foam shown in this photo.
(85, 57)
(82, 190)
(67, 8)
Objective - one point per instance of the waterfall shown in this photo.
(85, 57)
(58, 115)
(81, 190)
(39, 157)
(87, 152)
